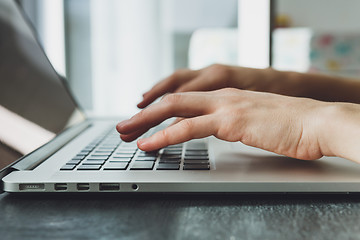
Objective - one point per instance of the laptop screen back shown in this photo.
(34, 103)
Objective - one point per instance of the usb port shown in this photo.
(60, 186)
(83, 186)
(31, 186)
(109, 186)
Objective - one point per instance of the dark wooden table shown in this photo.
(222, 216)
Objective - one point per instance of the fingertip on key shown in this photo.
(120, 126)
(143, 144)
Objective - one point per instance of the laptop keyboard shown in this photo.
(108, 153)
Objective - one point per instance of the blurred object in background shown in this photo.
(117, 49)
(321, 39)
(335, 53)
(216, 45)
(48, 19)
(282, 21)
(291, 49)
(306, 50)
(111, 51)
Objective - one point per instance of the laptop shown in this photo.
(49, 145)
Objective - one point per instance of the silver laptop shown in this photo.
(49, 145)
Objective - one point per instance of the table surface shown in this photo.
(220, 216)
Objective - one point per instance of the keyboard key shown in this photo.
(168, 166)
(172, 152)
(128, 145)
(90, 146)
(120, 159)
(195, 145)
(80, 155)
(197, 167)
(170, 161)
(98, 158)
(146, 158)
(94, 162)
(100, 155)
(143, 165)
(196, 162)
(67, 167)
(116, 166)
(123, 155)
(125, 152)
(196, 158)
(73, 162)
(103, 151)
(174, 146)
(196, 153)
(89, 167)
(170, 157)
(85, 152)
(107, 148)
(108, 145)
(147, 154)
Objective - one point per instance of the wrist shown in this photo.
(271, 80)
(338, 130)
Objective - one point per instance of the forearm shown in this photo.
(339, 131)
(316, 86)
(327, 88)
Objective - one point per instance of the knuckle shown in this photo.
(227, 97)
(226, 132)
(220, 70)
(188, 127)
(172, 98)
(216, 66)
(164, 134)
(141, 114)
(176, 75)
(229, 91)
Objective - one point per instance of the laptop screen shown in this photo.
(34, 103)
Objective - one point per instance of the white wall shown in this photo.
(328, 15)
(189, 15)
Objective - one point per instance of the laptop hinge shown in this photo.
(36, 157)
(3, 173)
(33, 159)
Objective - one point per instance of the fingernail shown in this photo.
(122, 123)
(142, 142)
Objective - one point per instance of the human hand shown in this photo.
(284, 125)
(210, 78)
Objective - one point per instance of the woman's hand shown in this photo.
(285, 125)
(213, 77)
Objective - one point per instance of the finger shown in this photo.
(197, 84)
(132, 136)
(169, 84)
(172, 105)
(185, 130)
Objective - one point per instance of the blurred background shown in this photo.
(111, 51)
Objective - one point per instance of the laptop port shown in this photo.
(60, 186)
(109, 186)
(31, 186)
(83, 186)
(135, 187)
